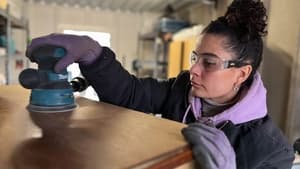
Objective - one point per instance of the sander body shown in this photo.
(50, 91)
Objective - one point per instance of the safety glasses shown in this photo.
(211, 63)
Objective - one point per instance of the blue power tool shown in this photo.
(51, 92)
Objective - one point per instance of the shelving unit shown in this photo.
(161, 38)
(154, 62)
(8, 23)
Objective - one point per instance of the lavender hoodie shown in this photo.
(251, 106)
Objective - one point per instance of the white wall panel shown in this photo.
(123, 26)
(41, 19)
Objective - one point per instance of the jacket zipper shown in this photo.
(223, 125)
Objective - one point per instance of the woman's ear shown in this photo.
(244, 73)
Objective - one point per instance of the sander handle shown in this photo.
(79, 84)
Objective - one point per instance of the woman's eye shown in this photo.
(210, 63)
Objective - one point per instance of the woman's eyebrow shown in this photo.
(209, 54)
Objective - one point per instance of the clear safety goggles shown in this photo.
(211, 63)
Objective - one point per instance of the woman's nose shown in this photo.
(196, 69)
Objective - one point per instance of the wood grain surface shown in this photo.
(94, 136)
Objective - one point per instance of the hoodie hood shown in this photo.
(251, 106)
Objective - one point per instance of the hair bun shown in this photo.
(247, 17)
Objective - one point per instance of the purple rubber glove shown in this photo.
(80, 49)
(210, 146)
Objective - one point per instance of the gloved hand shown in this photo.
(210, 146)
(80, 49)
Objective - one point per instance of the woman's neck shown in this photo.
(234, 97)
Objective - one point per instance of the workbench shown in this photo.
(95, 135)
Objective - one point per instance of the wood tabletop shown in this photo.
(94, 136)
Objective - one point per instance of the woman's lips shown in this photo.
(196, 85)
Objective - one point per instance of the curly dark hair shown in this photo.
(243, 25)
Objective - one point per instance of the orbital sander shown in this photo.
(51, 92)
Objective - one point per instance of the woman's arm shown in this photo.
(115, 85)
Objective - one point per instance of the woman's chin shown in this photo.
(197, 92)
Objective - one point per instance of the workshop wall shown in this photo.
(123, 26)
(284, 22)
(281, 57)
(203, 14)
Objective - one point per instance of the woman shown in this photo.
(222, 97)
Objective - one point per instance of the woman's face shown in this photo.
(215, 84)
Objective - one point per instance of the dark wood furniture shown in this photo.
(94, 136)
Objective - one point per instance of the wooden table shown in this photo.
(94, 136)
